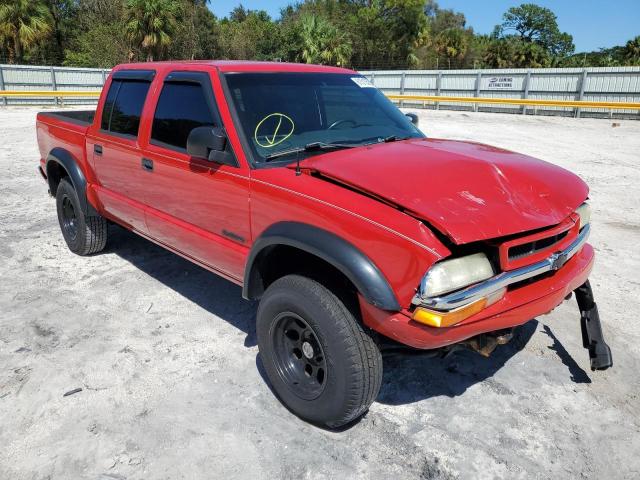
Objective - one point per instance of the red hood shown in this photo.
(467, 190)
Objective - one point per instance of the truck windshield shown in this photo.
(280, 112)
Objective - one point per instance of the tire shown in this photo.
(333, 379)
(84, 234)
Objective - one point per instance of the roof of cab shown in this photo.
(237, 66)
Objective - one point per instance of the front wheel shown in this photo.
(320, 361)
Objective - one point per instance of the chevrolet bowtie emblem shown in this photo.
(558, 260)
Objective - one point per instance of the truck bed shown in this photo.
(78, 117)
(64, 130)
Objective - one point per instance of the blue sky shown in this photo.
(593, 23)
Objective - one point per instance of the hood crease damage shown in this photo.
(467, 191)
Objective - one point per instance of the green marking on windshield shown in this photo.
(270, 138)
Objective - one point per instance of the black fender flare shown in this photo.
(65, 160)
(344, 256)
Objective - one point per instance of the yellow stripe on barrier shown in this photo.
(406, 98)
(518, 101)
(48, 93)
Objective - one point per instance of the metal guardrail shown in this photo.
(401, 98)
(48, 93)
(518, 101)
(597, 84)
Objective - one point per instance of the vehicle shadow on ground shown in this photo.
(409, 379)
(207, 290)
(578, 375)
(406, 378)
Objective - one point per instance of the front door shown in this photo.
(198, 207)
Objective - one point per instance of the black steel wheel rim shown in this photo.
(298, 355)
(69, 218)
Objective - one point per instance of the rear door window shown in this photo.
(182, 106)
(123, 106)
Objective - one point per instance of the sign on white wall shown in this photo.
(500, 83)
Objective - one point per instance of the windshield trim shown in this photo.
(244, 142)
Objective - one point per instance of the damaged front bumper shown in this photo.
(518, 306)
(491, 286)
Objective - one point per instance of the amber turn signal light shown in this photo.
(433, 318)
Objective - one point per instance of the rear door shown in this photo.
(115, 150)
(197, 207)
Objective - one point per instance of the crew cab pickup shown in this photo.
(306, 186)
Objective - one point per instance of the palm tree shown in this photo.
(24, 23)
(323, 42)
(632, 50)
(452, 43)
(151, 24)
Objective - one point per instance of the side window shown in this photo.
(123, 106)
(108, 104)
(182, 106)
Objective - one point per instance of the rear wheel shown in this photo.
(321, 362)
(84, 234)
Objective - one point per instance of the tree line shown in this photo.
(363, 34)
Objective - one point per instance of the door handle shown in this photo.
(97, 149)
(147, 164)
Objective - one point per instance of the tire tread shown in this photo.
(362, 351)
(92, 231)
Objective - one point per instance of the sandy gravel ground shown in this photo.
(172, 386)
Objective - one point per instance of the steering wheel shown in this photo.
(337, 123)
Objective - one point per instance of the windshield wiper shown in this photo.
(393, 138)
(309, 147)
(367, 142)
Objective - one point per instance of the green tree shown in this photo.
(151, 25)
(290, 40)
(364, 34)
(632, 51)
(102, 46)
(197, 34)
(239, 14)
(323, 43)
(64, 16)
(451, 43)
(478, 47)
(24, 23)
(383, 33)
(511, 52)
(500, 53)
(249, 35)
(98, 39)
(444, 19)
(447, 40)
(407, 27)
(539, 25)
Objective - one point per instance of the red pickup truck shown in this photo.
(310, 189)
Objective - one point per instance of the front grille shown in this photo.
(534, 247)
(529, 248)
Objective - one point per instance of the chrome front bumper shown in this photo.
(487, 287)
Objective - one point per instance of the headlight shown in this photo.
(584, 211)
(456, 273)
